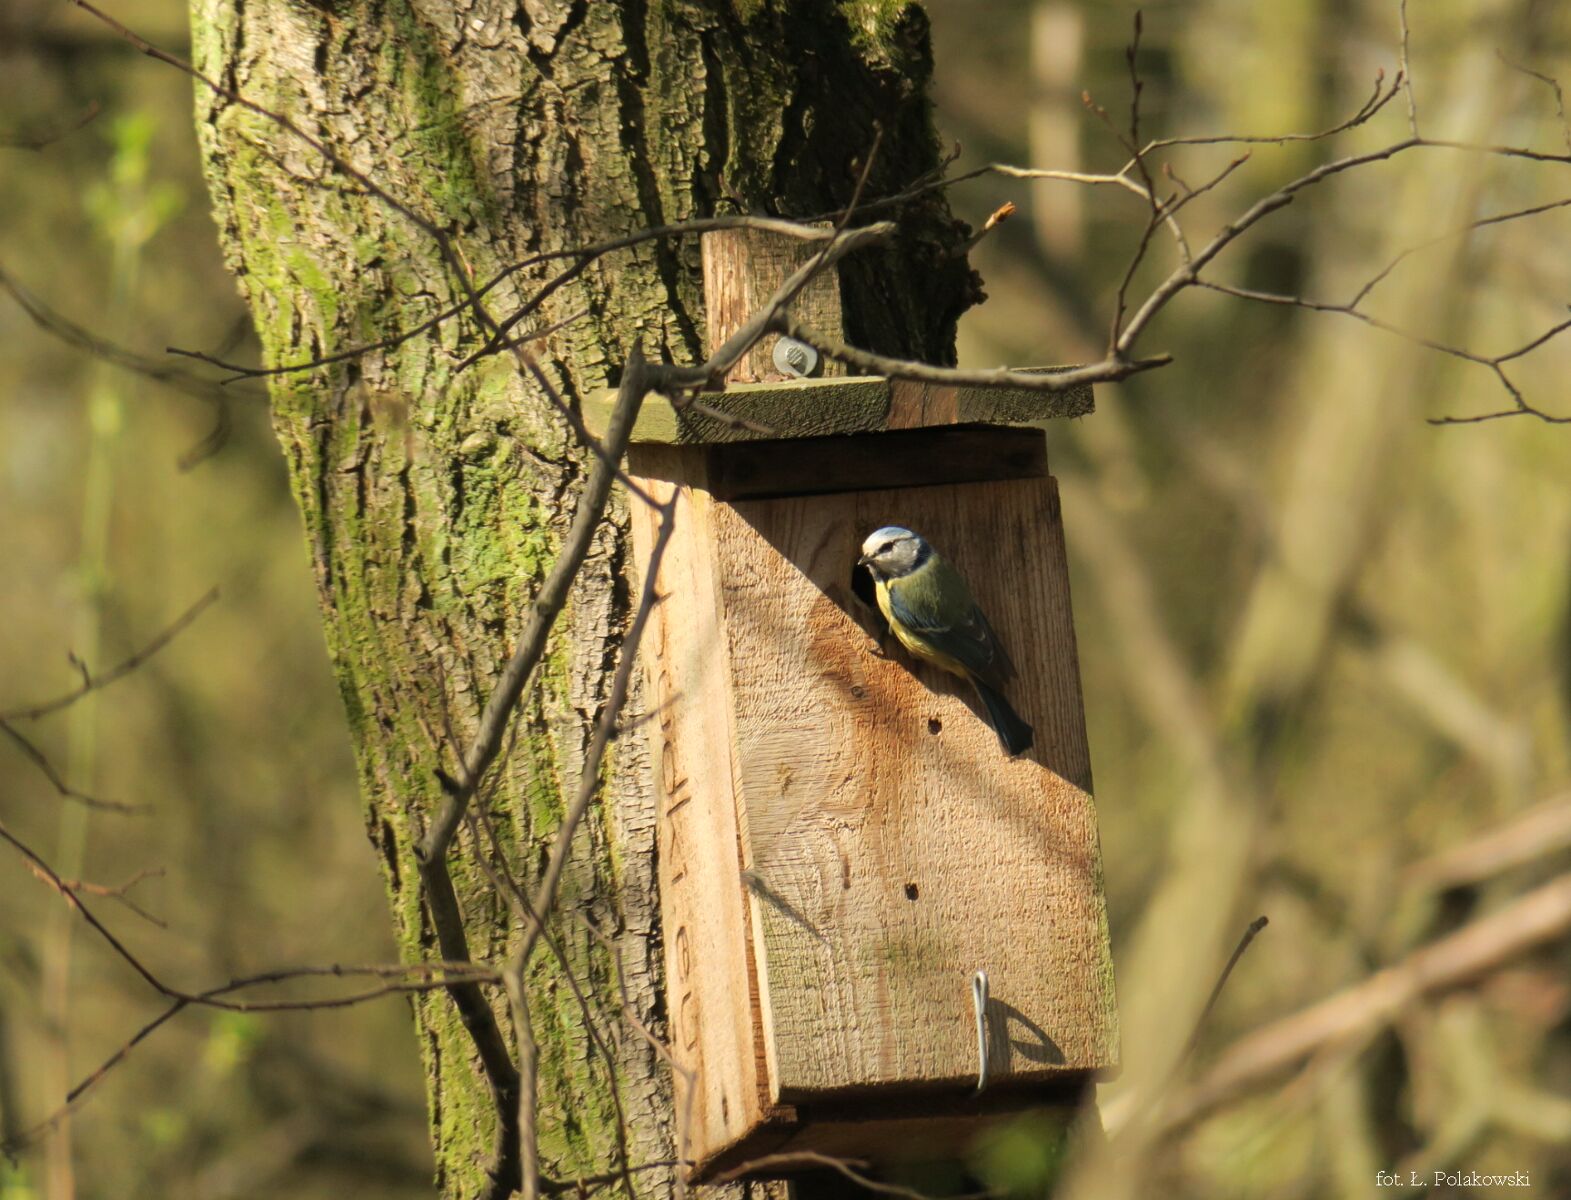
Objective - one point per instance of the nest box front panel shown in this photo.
(890, 849)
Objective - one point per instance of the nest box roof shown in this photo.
(812, 408)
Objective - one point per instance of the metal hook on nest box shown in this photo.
(979, 999)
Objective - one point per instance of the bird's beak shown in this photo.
(863, 560)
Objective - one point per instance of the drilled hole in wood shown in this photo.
(911, 892)
(934, 725)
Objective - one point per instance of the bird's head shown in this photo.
(891, 552)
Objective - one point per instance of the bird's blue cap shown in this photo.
(888, 532)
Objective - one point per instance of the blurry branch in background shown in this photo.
(90, 683)
(1231, 785)
(39, 759)
(43, 138)
(1538, 832)
(158, 370)
(118, 894)
(1554, 86)
(396, 976)
(1541, 916)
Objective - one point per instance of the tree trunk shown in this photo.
(433, 497)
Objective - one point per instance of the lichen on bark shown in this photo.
(432, 498)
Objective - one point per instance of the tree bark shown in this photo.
(433, 497)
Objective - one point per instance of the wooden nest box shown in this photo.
(843, 844)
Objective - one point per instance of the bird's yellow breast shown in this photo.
(910, 638)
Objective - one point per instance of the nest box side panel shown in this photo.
(719, 1090)
(892, 848)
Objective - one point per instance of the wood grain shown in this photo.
(895, 848)
(842, 843)
(742, 269)
(714, 1033)
(919, 457)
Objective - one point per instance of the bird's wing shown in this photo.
(935, 602)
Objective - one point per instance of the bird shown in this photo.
(932, 612)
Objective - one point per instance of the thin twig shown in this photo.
(57, 781)
(547, 606)
(867, 362)
(1250, 934)
(850, 1168)
(48, 137)
(545, 896)
(79, 337)
(92, 683)
(1554, 86)
(1484, 945)
(118, 894)
(1405, 74)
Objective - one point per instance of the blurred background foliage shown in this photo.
(233, 736)
(1321, 640)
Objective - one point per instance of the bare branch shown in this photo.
(867, 362)
(1405, 74)
(81, 1091)
(1540, 831)
(1554, 85)
(81, 338)
(92, 683)
(583, 257)
(548, 604)
(850, 1168)
(1378, 99)
(48, 137)
(528, 1063)
(118, 894)
(1484, 945)
(1494, 363)
(428, 977)
(712, 371)
(1252, 932)
(996, 218)
(1380, 276)
(546, 892)
(589, 777)
(57, 781)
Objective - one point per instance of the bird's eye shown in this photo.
(886, 547)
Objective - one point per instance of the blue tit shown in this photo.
(932, 612)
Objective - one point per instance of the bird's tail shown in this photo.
(1013, 733)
